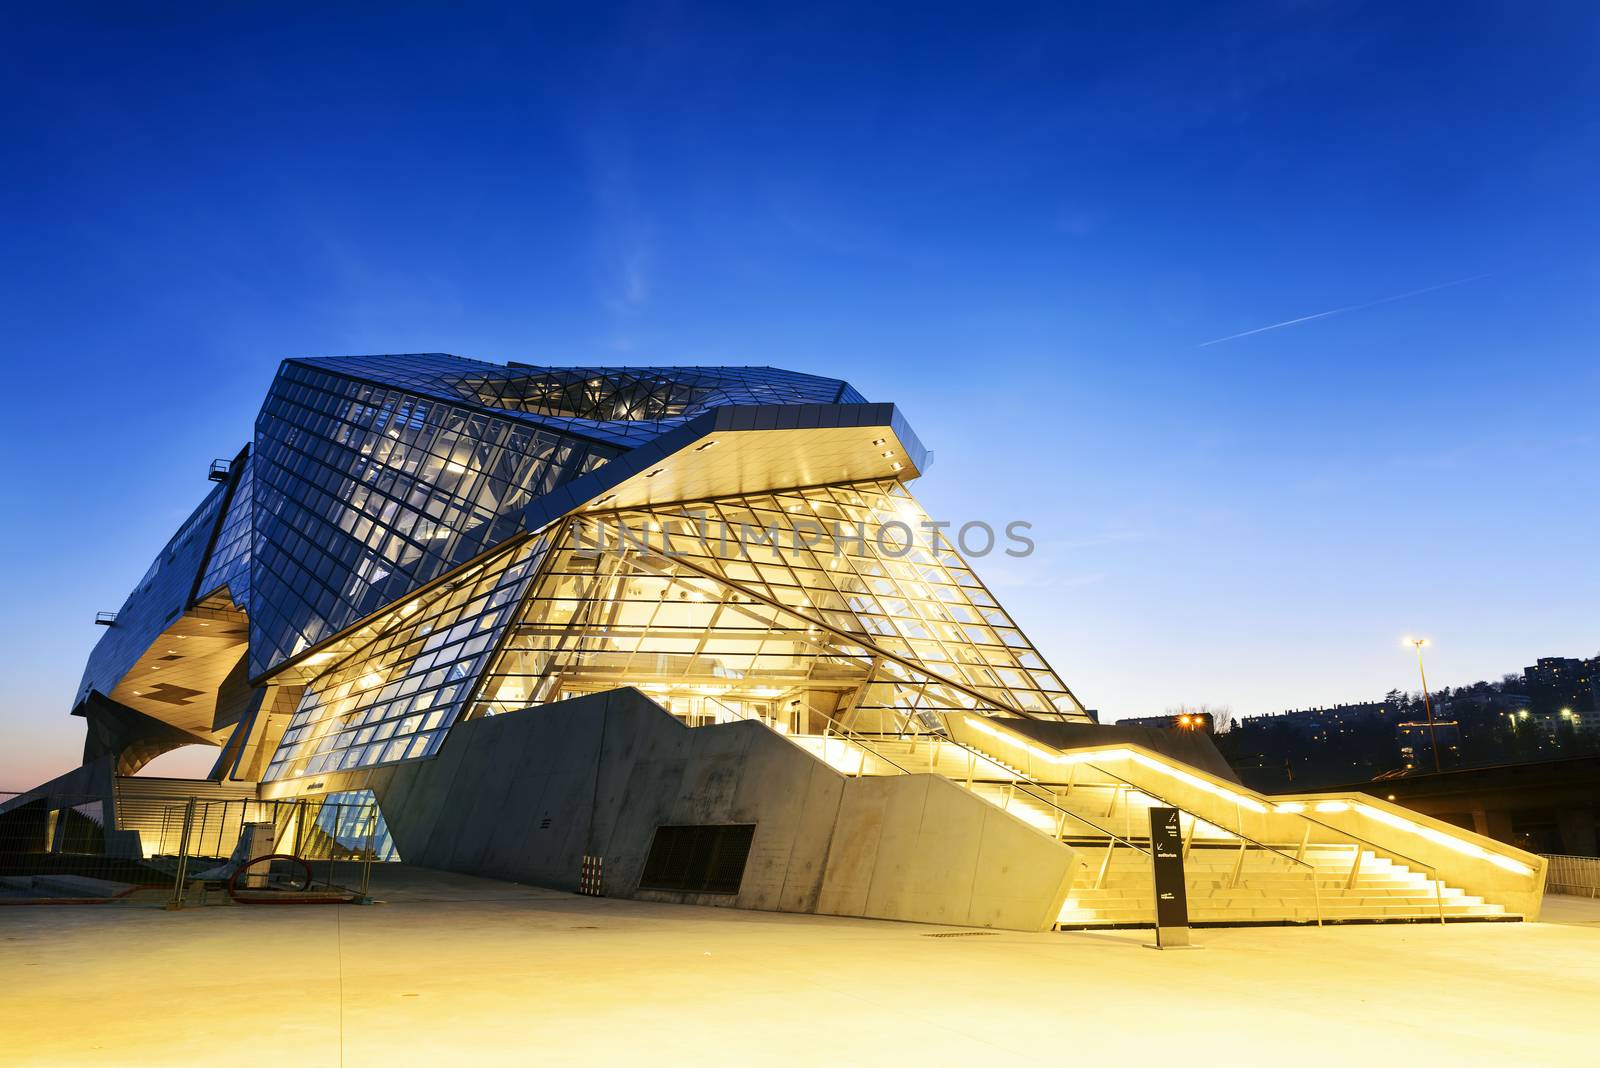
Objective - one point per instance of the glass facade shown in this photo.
(394, 697)
(229, 564)
(354, 825)
(823, 619)
(377, 536)
(363, 494)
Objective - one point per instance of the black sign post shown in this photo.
(1166, 863)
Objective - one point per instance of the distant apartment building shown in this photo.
(1416, 739)
(1184, 721)
(1557, 683)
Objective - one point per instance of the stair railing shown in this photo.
(1017, 778)
(1349, 838)
(1355, 841)
(1245, 841)
(832, 727)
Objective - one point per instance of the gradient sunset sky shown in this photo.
(1031, 228)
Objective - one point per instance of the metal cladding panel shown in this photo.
(160, 598)
(618, 405)
(775, 420)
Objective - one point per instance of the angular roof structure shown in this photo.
(380, 486)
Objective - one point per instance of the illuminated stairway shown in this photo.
(1267, 893)
(1247, 860)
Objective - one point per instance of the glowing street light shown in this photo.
(1427, 702)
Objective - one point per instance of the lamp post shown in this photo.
(1427, 702)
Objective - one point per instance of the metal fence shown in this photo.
(1573, 875)
(178, 851)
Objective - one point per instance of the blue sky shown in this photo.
(1022, 227)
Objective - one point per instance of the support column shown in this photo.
(1577, 827)
(1494, 823)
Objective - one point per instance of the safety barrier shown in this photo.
(60, 849)
(1573, 875)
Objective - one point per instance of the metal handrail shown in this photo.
(977, 753)
(1194, 816)
(842, 730)
(1044, 794)
(1355, 799)
(1244, 839)
(865, 741)
(1272, 810)
(1355, 840)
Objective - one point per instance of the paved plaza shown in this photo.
(456, 970)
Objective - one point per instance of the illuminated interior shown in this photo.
(365, 493)
(800, 636)
(396, 697)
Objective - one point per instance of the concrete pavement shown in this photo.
(455, 970)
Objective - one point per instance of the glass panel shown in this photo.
(608, 611)
(230, 558)
(364, 494)
(407, 685)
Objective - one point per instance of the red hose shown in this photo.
(276, 896)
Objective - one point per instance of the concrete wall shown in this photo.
(525, 796)
(92, 781)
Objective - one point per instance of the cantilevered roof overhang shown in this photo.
(742, 449)
(177, 680)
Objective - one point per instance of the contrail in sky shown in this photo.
(1341, 311)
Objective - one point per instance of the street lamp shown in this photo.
(1427, 702)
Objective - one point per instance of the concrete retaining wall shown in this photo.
(526, 796)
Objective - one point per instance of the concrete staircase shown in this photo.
(1266, 891)
(1231, 879)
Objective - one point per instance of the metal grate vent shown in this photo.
(706, 859)
(589, 877)
(959, 934)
